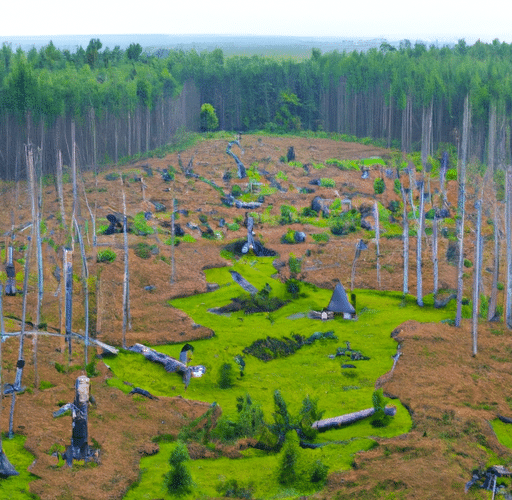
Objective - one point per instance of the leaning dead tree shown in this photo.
(79, 449)
(6, 468)
(85, 282)
(241, 168)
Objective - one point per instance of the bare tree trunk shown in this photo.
(435, 260)
(68, 301)
(76, 205)
(21, 358)
(6, 469)
(508, 236)
(60, 189)
(495, 273)
(126, 283)
(85, 282)
(492, 137)
(476, 277)
(461, 203)
(173, 236)
(405, 238)
(419, 237)
(377, 238)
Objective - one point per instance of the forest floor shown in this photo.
(451, 395)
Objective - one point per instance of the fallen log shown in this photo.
(170, 364)
(349, 418)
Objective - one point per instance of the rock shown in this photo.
(299, 237)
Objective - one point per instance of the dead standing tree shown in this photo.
(461, 207)
(377, 240)
(79, 449)
(476, 276)
(6, 468)
(419, 241)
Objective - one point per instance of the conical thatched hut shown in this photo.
(340, 304)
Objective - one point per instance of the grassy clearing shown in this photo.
(17, 487)
(310, 371)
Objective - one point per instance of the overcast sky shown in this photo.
(392, 19)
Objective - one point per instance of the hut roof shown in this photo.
(339, 301)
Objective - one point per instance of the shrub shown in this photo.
(143, 250)
(231, 489)
(295, 265)
(318, 472)
(236, 191)
(106, 255)
(321, 237)
(178, 480)
(233, 227)
(451, 174)
(288, 214)
(141, 226)
(379, 185)
(293, 287)
(380, 419)
(308, 212)
(326, 182)
(112, 176)
(396, 186)
(225, 378)
(287, 473)
(468, 263)
(289, 237)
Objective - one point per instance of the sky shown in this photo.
(393, 19)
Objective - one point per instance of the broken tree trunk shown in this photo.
(241, 168)
(79, 449)
(170, 364)
(6, 468)
(349, 418)
(10, 271)
(126, 282)
(493, 302)
(405, 223)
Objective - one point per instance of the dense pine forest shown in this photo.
(117, 103)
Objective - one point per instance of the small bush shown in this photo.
(468, 263)
(141, 226)
(396, 186)
(380, 419)
(326, 182)
(231, 489)
(379, 185)
(178, 480)
(308, 212)
(287, 473)
(225, 378)
(451, 174)
(44, 384)
(112, 176)
(321, 237)
(318, 472)
(143, 250)
(106, 255)
(236, 191)
(233, 227)
(289, 237)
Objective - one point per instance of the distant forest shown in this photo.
(122, 103)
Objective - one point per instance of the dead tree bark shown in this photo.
(476, 277)
(377, 240)
(76, 207)
(493, 302)
(79, 449)
(173, 237)
(126, 282)
(68, 301)
(6, 468)
(60, 189)
(405, 237)
(16, 387)
(419, 238)
(508, 236)
(85, 282)
(461, 207)
(349, 418)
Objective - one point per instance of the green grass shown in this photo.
(309, 371)
(17, 487)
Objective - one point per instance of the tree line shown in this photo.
(126, 102)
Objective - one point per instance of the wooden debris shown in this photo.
(349, 418)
